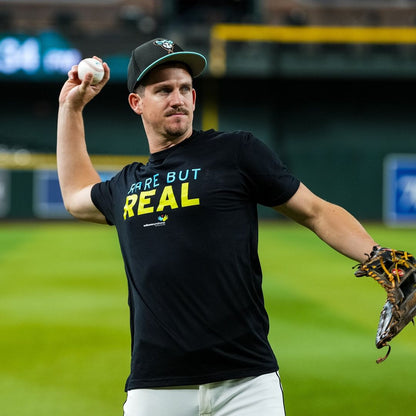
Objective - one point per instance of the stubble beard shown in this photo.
(177, 130)
(174, 133)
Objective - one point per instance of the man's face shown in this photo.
(168, 102)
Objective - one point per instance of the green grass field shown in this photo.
(64, 331)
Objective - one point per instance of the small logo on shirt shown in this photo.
(162, 218)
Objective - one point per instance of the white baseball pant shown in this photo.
(252, 396)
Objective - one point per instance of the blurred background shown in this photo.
(329, 84)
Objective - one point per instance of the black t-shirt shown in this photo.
(187, 225)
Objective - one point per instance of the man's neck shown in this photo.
(162, 143)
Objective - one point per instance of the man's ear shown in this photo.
(135, 103)
(193, 97)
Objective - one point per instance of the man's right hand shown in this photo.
(77, 93)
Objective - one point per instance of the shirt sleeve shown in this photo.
(107, 195)
(101, 195)
(267, 177)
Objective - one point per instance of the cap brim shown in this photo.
(194, 60)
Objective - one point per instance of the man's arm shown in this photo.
(332, 223)
(75, 170)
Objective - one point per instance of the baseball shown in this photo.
(91, 65)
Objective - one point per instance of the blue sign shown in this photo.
(400, 189)
(41, 57)
(47, 56)
(4, 192)
(47, 198)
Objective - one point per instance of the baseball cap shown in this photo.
(158, 51)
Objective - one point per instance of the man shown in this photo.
(187, 225)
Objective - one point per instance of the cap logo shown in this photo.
(165, 44)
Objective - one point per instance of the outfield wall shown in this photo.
(333, 134)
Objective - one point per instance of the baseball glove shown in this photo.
(395, 270)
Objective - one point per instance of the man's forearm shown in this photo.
(75, 169)
(339, 229)
(330, 222)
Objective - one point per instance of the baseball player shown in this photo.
(187, 225)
